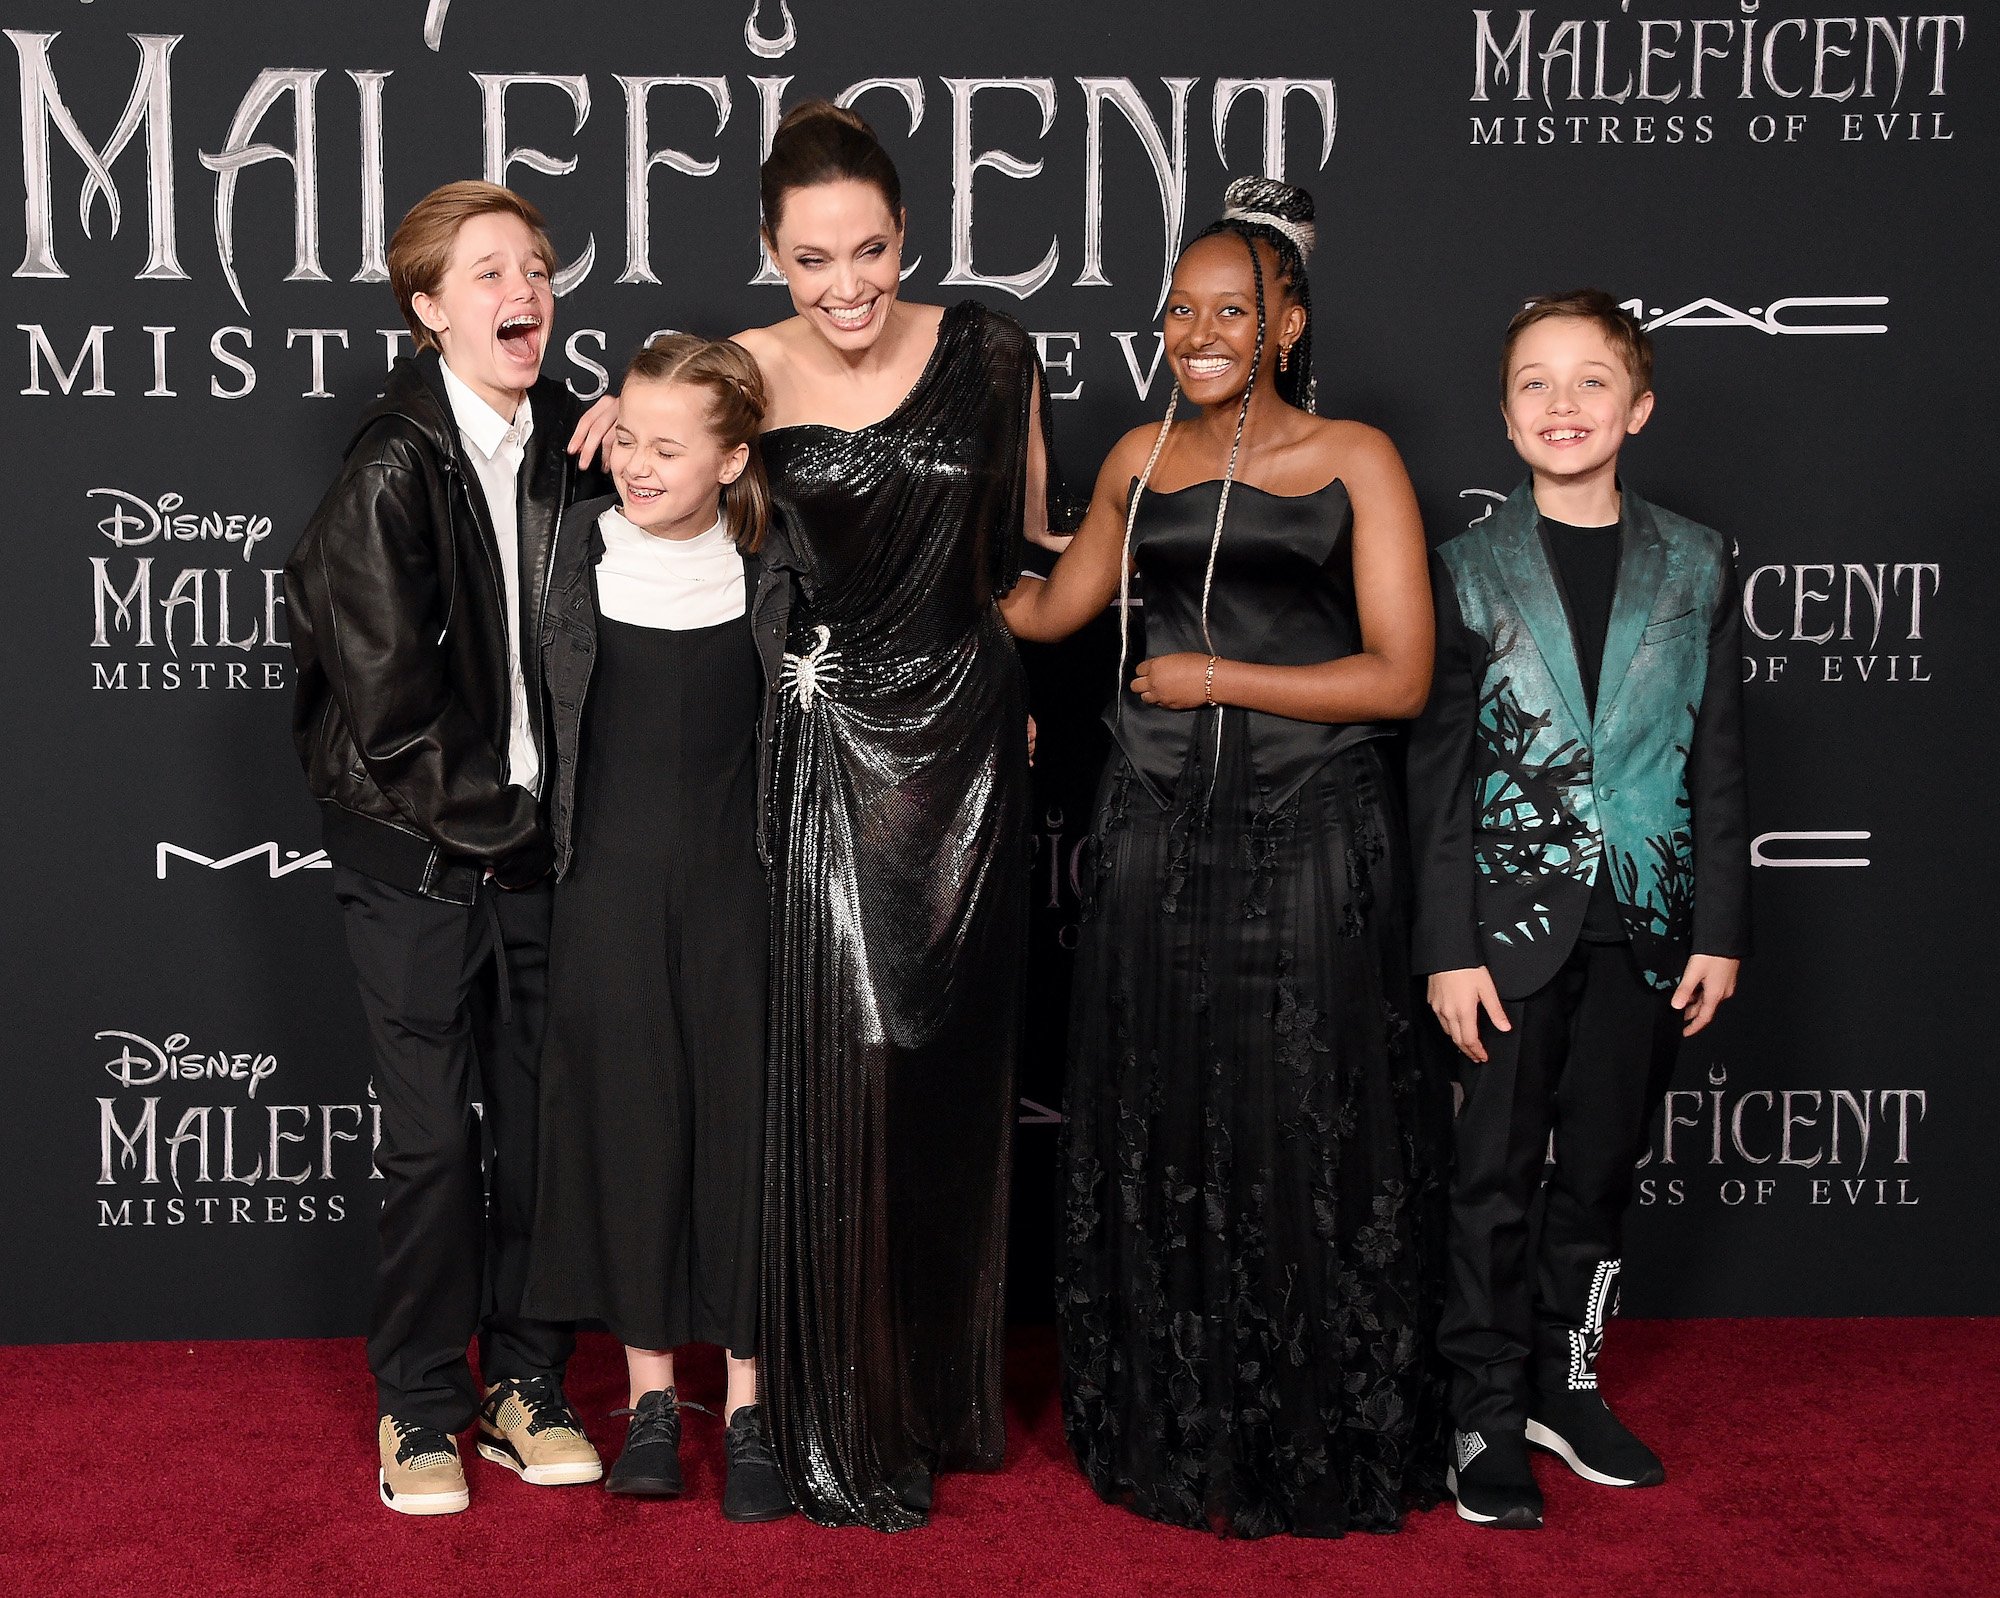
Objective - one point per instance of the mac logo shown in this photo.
(1792, 314)
(1789, 849)
(277, 865)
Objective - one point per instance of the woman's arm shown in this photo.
(1035, 502)
(592, 428)
(1085, 579)
(1389, 677)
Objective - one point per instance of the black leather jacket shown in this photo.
(397, 619)
(569, 645)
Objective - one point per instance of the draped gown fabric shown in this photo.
(898, 819)
(1251, 1244)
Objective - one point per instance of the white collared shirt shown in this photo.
(497, 448)
(672, 583)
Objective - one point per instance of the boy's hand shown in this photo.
(1457, 997)
(1708, 980)
(1180, 682)
(591, 430)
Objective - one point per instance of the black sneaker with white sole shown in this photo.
(1493, 1482)
(1580, 1430)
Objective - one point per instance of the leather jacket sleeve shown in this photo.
(376, 604)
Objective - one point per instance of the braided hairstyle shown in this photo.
(737, 402)
(1281, 216)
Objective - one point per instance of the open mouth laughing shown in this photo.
(521, 335)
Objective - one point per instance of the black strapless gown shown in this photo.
(898, 815)
(1249, 1264)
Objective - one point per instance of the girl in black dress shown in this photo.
(1249, 1261)
(651, 1163)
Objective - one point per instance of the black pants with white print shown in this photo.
(1533, 1265)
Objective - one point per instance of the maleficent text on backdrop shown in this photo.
(1790, 197)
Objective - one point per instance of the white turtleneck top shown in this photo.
(677, 584)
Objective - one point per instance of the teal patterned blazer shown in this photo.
(1520, 797)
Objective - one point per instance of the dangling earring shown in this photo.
(1284, 356)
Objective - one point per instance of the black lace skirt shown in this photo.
(1253, 1159)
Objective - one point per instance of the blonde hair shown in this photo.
(737, 403)
(420, 251)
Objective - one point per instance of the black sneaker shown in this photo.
(1493, 1482)
(755, 1491)
(649, 1466)
(1580, 1430)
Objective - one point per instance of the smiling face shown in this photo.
(667, 463)
(1210, 321)
(493, 308)
(1570, 405)
(840, 249)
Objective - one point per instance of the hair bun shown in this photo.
(807, 112)
(1283, 207)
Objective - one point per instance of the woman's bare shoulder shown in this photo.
(767, 345)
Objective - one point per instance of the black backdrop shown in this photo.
(1791, 197)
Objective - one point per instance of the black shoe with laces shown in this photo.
(649, 1466)
(755, 1491)
(1493, 1482)
(1580, 1430)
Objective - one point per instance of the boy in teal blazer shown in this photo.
(1582, 872)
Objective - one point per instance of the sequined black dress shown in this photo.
(1252, 1222)
(898, 824)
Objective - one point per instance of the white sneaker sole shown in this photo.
(545, 1475)
(420, 1503)
(1539, 1436)
(1472, 1515)
(1451, 1486)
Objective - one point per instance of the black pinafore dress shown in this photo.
(653, 1077)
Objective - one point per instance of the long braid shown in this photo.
(1125, 554)
(1305, 385)
(1222, 502)
(1235, 448)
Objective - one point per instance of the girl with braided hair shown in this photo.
(1249, 1257)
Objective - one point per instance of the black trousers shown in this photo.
(1533, 1266)
(454, 997)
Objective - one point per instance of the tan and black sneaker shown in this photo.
(527, 1425)
(421, 1474)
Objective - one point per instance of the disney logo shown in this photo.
(141, 1063)
(134, 521)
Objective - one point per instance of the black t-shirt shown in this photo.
(1586, 561)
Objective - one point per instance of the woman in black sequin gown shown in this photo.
(905, 450)
(1248, 1270)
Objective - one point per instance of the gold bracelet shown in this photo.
(1208, 683)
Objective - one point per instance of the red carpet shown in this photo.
(1823, 1459)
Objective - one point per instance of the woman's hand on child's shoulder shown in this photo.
(592, 429)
